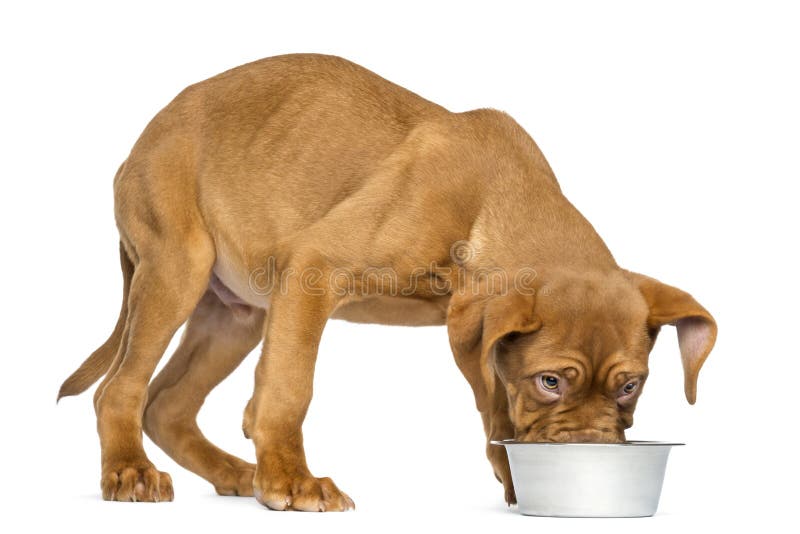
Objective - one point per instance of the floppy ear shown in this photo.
(697, 330)
(475, 323)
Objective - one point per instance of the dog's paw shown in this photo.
(136, 483)
(304, 493)
(510, 495)
(236, 479)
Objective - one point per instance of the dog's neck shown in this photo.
(521, 219)
(554, 235)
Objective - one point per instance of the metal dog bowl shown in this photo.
(588, 479)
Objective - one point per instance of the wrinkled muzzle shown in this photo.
(595, 420)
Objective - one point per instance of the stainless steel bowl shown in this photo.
(588, 479)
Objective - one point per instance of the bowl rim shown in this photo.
(632, 443)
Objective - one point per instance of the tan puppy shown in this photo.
(264, 201)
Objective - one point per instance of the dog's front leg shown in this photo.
(494, 410)
(498, 426)
(283, 386)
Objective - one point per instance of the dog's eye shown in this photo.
(629, 388)
(550, 382)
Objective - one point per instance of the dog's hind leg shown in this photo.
(168, 282)
(172, 255)
(215, 342)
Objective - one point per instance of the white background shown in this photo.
(674, 128)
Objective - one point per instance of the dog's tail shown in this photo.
(98, 363)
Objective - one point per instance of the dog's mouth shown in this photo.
(572, 436)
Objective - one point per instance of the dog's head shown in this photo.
(571, 356)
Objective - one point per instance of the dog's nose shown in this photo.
(593, 436)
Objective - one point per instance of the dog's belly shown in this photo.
(234, 280)
(401, 311)
(238, 289)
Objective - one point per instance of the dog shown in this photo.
(263, 201)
